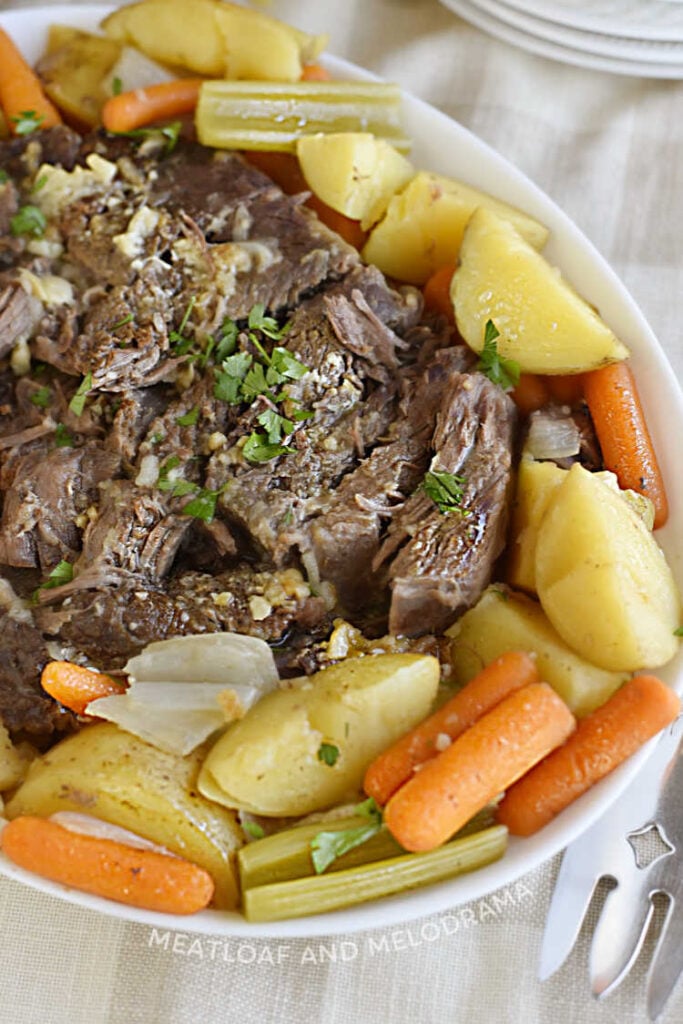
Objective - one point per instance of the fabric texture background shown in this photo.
(609, 151)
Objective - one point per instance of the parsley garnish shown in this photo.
(203, 505)
(229, 379)
(28, 220)
(326, 847)
(63, 438)
(39, 183)
(445, 490)
(253, 829)
(27, 121)
(169, 132)
(156, 438)
(77, 403)
(189, 419)
(328, 754)
(181, 344)
(259, 449)
(62, 573)
(4, 177)
(164, 483)
(679, 631)
(122, 323)
(504, 372)
(116, 86)
(267, 325)
(276, 426)
(41, 397)
(226, 342)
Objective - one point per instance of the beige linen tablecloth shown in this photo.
(609, 150)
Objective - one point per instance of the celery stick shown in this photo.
(338, 889)
(287, 854)
(273, 115)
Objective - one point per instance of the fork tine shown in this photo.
(619, 934)
(571, 898)
(667, 962)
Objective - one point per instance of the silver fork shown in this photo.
(608, 850)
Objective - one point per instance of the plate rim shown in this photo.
(580, 260)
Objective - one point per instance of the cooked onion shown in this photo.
(552, 436)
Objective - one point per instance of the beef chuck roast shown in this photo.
(125, 449)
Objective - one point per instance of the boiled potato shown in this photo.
(543, 324)
(270, 762)
(114, 776)
(503, 620)
(602, 579)
(14, 760)
(424, 225)
(214, 38)
(536, 482)
(73, 71)
(355, 173)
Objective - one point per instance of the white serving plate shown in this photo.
(442, 145)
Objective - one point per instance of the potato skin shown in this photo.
(602, 579)
(113, 775)
(503, 620)
(268, 762)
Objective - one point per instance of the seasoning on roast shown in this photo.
(225, 424)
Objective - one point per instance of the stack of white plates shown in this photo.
(631, 37)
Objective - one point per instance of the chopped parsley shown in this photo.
(42, 397)
(203, 505)
(116, 86)
(169, 133)
(230, 377)
(77, 403)
(328, 754)
(164, 482)
(259, 449)
(189, 418)
(267, 325)
(326, 847)
(226, 342)
(181, 344)
(504, 372)
(277, 427)
(39, 183)
(4, 176)
(62, 573)
(28, 220)
(445, 490)
(27, 121)
(63, 438)
(679, 631)
(122, 323)
(253, 829)
(156, 438)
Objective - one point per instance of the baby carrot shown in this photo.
(603, 739)
(625, 441)
(75, 686)
(481, 763)
(531, 393)
(566, 388)
(104, 867)
(437, 292)
(131, 110)
(21, 93)
(315, 73)
(396, 765)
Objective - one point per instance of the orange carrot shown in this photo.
(625, 441)
(603, 739)
(496, 681)
(437, 292)
(75, 686)
(131, 110)
(350, 230)
(105, 867)
(20, 90)
(566, 388)
(531, 393)
(482, 762)
(315, 73)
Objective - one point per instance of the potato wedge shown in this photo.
(355, 173)
(73, 71)
(214, 38)
(603, 580)
(114, 776)
(424, 226)
(270, 763)
(543, 323)
(503, 620)
(177, 32)
(536, 483)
